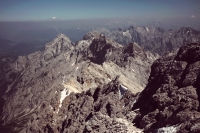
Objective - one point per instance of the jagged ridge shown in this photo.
(35, 87)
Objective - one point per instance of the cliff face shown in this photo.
(36, 88)
(172, 95)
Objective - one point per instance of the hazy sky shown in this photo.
(26, 10)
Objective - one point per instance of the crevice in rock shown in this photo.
(69, 123)
(48, 129)
(98, 106)
(180, 82)
(96, 93)
(89, 117)
(63, 126)
(108, 108)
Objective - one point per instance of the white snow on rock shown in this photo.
(84, 42)
(51, 107)
(122, 90)
(133, 70)
(64, 94)
(73, 63)
(147, 29)
(126, 33)
(170, 129)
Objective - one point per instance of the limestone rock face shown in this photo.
(172, 95)
(36, 89)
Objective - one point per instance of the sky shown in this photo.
(40, 10)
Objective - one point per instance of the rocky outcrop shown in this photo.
(37, 88)
(172, 95)
(100, 110)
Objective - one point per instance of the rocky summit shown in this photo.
(170, 101)
(70, 85)
(97, 85)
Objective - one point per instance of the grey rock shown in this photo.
(171, 98)
(40, 91)
(155, 39)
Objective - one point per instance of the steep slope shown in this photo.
(171, 98)
(99, 110)
(155, 39)
(35, 88)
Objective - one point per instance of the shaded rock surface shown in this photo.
(172, 95)
(36, 88)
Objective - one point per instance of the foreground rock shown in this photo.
(100, 110)
(171, 99)
(35, 89)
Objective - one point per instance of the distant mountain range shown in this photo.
(150, 38)
(154, 39)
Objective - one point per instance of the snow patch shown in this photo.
(147, 29)
(73, 63)
(77, 68)
(133, 70)
(51, 107)
(109, 79)
(84, 42)
(122, 90)
(64, 94)
(134, 101)
(170, 129)
(126, 33)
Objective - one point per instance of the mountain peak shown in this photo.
(91, 35)
(62, 36)
(59, 45)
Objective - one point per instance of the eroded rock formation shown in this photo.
(172, 95)
(37, 89)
